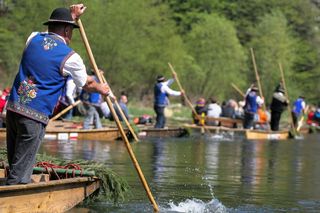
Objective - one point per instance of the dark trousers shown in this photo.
(160, 119)
(248, 120)
(275, 120)
(24, 137)
(295, 119)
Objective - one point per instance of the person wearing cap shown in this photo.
(161, 93)
(298, 109)
(278, 105)
(253, 101)
(46, 62)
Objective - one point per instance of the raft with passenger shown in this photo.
(234, 127)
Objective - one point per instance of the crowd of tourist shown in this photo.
(252, 110)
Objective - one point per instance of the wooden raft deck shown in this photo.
(52, 196)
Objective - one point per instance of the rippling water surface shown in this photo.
(203, 174)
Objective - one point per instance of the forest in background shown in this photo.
(207, 41)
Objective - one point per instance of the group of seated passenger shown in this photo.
(212, 109)
(208, 111)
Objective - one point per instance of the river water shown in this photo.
(208, 174)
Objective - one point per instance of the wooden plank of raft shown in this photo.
(54, 196)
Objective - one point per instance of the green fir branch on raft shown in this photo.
(113, 187)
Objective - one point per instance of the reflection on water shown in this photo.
(201, 174)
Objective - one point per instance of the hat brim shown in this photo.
(161, 79)
(58, 21)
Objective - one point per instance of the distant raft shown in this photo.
(66, 130)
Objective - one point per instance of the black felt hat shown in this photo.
(254, 88)
(160, 78)
(61, 15)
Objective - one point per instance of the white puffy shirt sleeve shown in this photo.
(169, 91)
(75, 67)
(259, 100)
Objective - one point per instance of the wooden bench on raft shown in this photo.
(224, 121)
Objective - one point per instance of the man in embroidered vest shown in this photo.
(161, 93)
(298, 109)
(253, 101)
(46, 62)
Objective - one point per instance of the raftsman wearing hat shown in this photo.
(252, 103)
(278, 105)
(46, 62)
(160, 78)
(255, 89)
(161, 93)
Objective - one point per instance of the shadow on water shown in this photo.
(203, 174)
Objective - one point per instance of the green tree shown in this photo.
(19, 21)
(133, 41)
(273, 43)
(218, 55)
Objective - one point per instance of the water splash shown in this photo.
(198, 206)
(222, 136)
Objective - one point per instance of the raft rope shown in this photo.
(53, 167)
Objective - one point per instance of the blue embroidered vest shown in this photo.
(160, 98)
(251, 103)
(39, 82)
(297, 106)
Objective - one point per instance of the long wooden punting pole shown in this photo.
(65, 110)
(237, 89)
(124, 118)
(287, 96)
(123, 134)
(186, 97)
(300, 123)
(257, 77)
